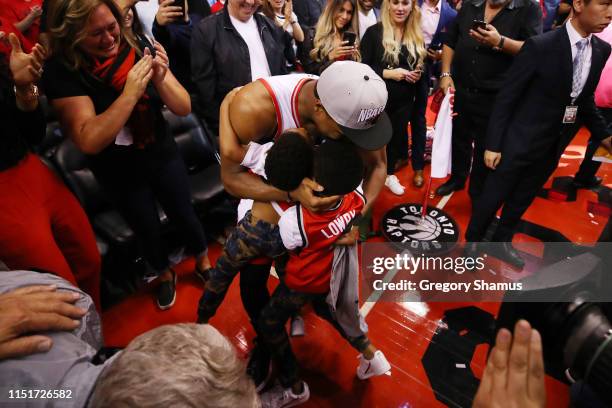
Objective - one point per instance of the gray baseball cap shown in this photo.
(354, 96)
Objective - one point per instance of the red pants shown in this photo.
(44, 228)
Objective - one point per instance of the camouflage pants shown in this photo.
(250, 239)
(284, 303)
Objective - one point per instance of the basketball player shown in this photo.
(347, 101)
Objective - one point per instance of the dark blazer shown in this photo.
(447, 16)
(220, 60)
(308, 12)
(526, 124)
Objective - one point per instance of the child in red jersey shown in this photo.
(310, 238)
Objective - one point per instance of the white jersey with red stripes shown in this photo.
(284, 91)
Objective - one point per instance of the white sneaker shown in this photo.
(279, 397)
(297, 326)
(394, 185)
(370, 368)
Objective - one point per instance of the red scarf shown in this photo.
(114, 72)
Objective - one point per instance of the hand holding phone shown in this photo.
(476, 24)
(349, 38)
(170, 11)
(181, 4)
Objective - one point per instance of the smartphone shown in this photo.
(349, 36)
(476, 24)
(181, 4)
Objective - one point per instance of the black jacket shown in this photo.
(220, 60)
(372, 51)
(308, 12)
(527, 120)
(176, 39)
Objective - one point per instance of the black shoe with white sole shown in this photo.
(166, 293)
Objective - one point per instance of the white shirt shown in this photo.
(250, 34)
(574, 37)
(146, 13)
(366, 21)
(430, 17)
(280, 20)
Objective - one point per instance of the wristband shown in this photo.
(500, 45)
(445, 74)
(31, 95)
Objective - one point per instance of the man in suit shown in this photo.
(585, 177)
(548, 94)
(480, 54)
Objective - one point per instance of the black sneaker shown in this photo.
(259, 367)
(166, 293)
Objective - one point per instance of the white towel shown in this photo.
(441, 154)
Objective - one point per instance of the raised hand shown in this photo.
(514, 374)
(26, 68)
(168, 13)
(139, 76)
(160, 63)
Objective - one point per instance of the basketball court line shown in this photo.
(369, 304)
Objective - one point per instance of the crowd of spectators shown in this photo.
(110, 68)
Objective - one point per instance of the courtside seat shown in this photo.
(199, 153)
(106, 221)
(53, 137)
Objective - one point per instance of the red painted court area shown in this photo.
(403, 331)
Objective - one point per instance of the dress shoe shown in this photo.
(588, 184)
(448, 187)
(418, 179)
(504, 251)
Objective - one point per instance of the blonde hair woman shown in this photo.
(108, 91)
(395, 50)
(325, 43)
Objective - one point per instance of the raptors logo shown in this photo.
(435, 233)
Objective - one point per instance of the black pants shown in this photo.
(284, 303)
(167, 184)
(473, 108)
(399, 109)
(418, 123)
(588, 167)
(251, 239)
(515, 185)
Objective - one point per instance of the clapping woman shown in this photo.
(108, 90)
